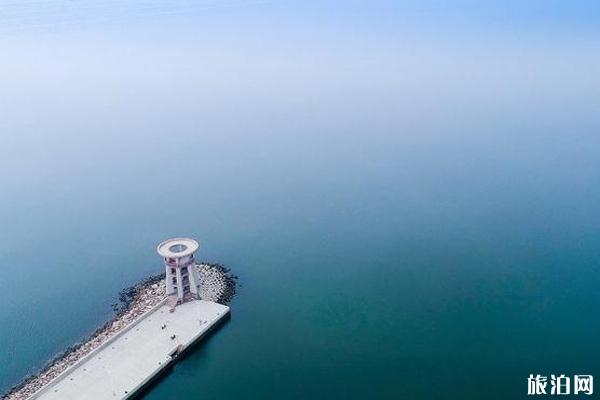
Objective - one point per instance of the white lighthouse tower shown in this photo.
(181, 278)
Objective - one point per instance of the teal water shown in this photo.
(411, 215)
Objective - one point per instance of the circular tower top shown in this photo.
(177, 247)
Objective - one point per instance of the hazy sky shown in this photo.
(92, 71)
(463, 15)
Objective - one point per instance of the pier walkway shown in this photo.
(128, 361)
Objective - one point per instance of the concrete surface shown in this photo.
(126, 362)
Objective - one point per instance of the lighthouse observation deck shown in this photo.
(127, 362)
(177, 247)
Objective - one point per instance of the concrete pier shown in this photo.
(124, 364)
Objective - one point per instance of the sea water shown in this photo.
(408, 195)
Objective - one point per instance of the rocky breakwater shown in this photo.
(218, 284)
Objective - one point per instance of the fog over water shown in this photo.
(408, 191)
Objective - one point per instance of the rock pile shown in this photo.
(217, 284)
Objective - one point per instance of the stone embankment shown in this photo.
(218, 284)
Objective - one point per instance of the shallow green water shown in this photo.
(409, 216)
